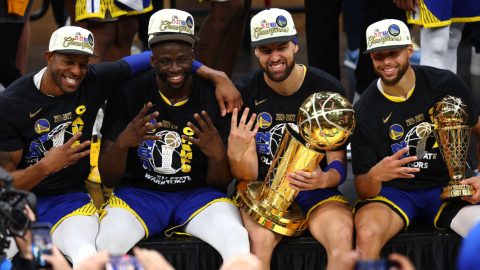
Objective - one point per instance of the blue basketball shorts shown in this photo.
(417, 204)
(311, 199)
(158, 210)
(55, 209)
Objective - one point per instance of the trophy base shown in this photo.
(290, 223)
(452, 193)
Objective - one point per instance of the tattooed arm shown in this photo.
(55, 160)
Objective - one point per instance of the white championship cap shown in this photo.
(72, 39)
(171, 24)
(272, 25)
(386, 35)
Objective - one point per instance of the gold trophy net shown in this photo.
(271, 203)
(453, 138)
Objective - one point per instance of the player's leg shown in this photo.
(215, 31)
(262, 240)
(220, 225)
(375, 224)
(104, 35)
(125, 29)
(434, 44)
(453, 42)
(332, 225)
(75, 237)
(119, 222)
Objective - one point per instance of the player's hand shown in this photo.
(302, 180)
(475, 182)
(391, 167)
(227, 92)
(57, 260)
(136, 131)
(241, 136)
(59, 157)
(151, 259)
(24, 243)
(209, 140)
(95, 262)
(406, 4)
(403, 261)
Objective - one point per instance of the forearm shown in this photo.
(218, 172)
(367, 186)
(28, 178)
(111, 164)
(242, 169)
(209, 74)
(332, 178)
(478, 154)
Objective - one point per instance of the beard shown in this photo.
(280, 76)
(163, 77)
(401, 72)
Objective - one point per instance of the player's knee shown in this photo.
(345, 232)
(261, 239)
(367, 235)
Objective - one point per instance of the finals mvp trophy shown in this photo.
(325, 121)
(453, 137)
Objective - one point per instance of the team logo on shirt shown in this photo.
(396, 132)
(264, 120)
(42, 126)
(281, 21)
(394, 30)
(153, 122)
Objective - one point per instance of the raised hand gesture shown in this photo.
(209, 141)
(136, 131)
(241, 136)
(391, 167)
(59, 157)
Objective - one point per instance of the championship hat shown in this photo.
(171, 24)
(72, 39)
(386, 35)
(272, 25)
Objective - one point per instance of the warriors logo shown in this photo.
(394, 30)
(264, 120)
(281, 21)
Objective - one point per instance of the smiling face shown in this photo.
(67, 70)
(391, 65)
(277, 60)
(173, 62)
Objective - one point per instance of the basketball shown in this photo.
(450, 112)
(326, 120)
(423, 130)
(172, 139)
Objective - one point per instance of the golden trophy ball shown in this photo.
(325, 121)
(453, 136)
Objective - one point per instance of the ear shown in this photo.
(152, 61)
(256, 52)
(295, 47)
(371, 56)
(410, 50)
(49, 56)
(193, 56)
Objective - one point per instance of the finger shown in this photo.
(299, 183)
(80, 146)
(30, 213)
(80, 155)
(469, 199)
(404, 175)
(305, 174)
(195, 129)
(152, 138)
(233, 125)
(417, 2)
(102, 257)
(190, 139)
(73, 139)
(244, 117)
(407, 170)
(469, 181)
(150, 127)
(146, 119)
(406, 160)
(251, 122)
(254, 132)
(143, 112)
(208, 120)
(410, 6)
(221, 103)
(400, 153)
(297, 187)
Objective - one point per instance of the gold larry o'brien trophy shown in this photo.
(325, 120)
(453, 137)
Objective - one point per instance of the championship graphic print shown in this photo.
(268, 142)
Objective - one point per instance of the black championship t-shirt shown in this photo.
(35, 122)
(170, 164)
(274, 110)
(385, 126)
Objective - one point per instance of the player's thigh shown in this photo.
(377, 222)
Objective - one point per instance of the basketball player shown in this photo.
(47, 119)
(274, 95)
(441, 24)
(398, 167)
(169, 167)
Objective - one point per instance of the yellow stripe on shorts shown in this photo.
(86, 210)
(338, 198)
(428, 20)
(383, 199)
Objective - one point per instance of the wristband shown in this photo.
(338, 165)
(477, 174)
(138, 62)
(195, 66)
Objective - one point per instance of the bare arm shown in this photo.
(474, 181)
(56, 159)
(242, 149)
(113, 155)
(369, 185)
(225, 91)
(210, 142)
